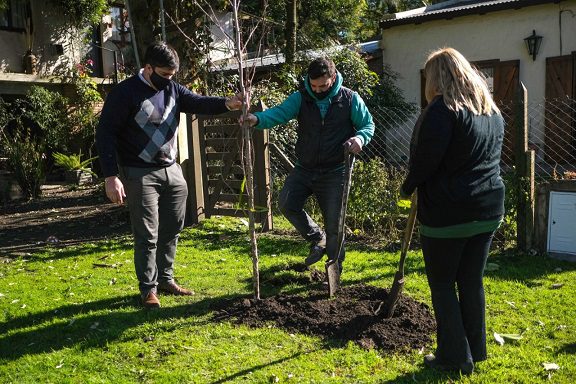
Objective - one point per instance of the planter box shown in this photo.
(9, 189)
(78, 177)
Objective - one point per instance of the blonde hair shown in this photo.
(449, 73)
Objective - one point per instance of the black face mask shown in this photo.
(158, 81)
(322, 95)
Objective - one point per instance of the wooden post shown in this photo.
(541, 217)
(262, 179)
(530, 199)
(193, 171)
(262, 174)
(520, 149)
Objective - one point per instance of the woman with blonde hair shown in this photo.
(454, 164)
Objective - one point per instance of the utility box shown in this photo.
(555, 219)
(562, 223)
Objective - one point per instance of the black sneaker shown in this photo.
(315, 255)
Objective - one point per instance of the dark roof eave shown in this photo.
(476, 10)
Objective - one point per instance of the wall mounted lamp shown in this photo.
(533, 44)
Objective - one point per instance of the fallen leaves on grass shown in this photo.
(502, 337)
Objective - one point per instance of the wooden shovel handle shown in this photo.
(408, 231)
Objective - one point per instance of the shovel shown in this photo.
(398, 284)
(333, 265)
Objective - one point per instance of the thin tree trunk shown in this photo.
(248, 165)
(133, 35)
(144, 21)
(290, 31)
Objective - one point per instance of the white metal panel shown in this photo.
(562, 222)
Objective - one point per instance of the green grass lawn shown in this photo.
(73, 315)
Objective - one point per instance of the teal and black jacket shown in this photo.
(323, 125)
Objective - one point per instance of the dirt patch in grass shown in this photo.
(61, 216)
(350, 316)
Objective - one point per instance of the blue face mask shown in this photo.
(158, 81)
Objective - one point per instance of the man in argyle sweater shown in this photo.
(136, 140)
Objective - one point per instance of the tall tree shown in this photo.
(290, 31)
(187, 30)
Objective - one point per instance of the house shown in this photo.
(494, 35)
(36, 43)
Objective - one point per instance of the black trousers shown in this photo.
(455, 268)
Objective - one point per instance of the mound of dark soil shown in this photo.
(350, 316)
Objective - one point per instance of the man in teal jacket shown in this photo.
(330, 117)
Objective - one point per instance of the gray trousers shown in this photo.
(326, 186)
(157, 203)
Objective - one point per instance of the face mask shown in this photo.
(158, 81)
(322, 95)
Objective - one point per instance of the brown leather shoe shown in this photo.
(174, 289)
(150, 301)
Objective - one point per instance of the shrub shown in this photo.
(25, 155)
(44, 122)
(81, 13)
(48, 112)
(506, 234)
(372, 204)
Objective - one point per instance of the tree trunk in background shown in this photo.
(290, 31)
(145, 16)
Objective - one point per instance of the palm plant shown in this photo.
(73, 162)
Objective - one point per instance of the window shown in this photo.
(112, 51)
(15, 16)
(488, 73)
(120, 25)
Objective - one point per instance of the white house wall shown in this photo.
(48, 33)
(495, 35)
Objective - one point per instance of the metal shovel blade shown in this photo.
(394, 295)
(333, 276)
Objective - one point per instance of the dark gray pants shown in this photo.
(157, 202)
(326, 186)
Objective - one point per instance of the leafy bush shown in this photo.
(372, 203)
(25, 154)
(355, 71)
(44, 122)
(82, 119)
(81, 13)
(506, 234)
(49, 113)
(373, 200)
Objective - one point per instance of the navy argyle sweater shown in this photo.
(139, 125)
